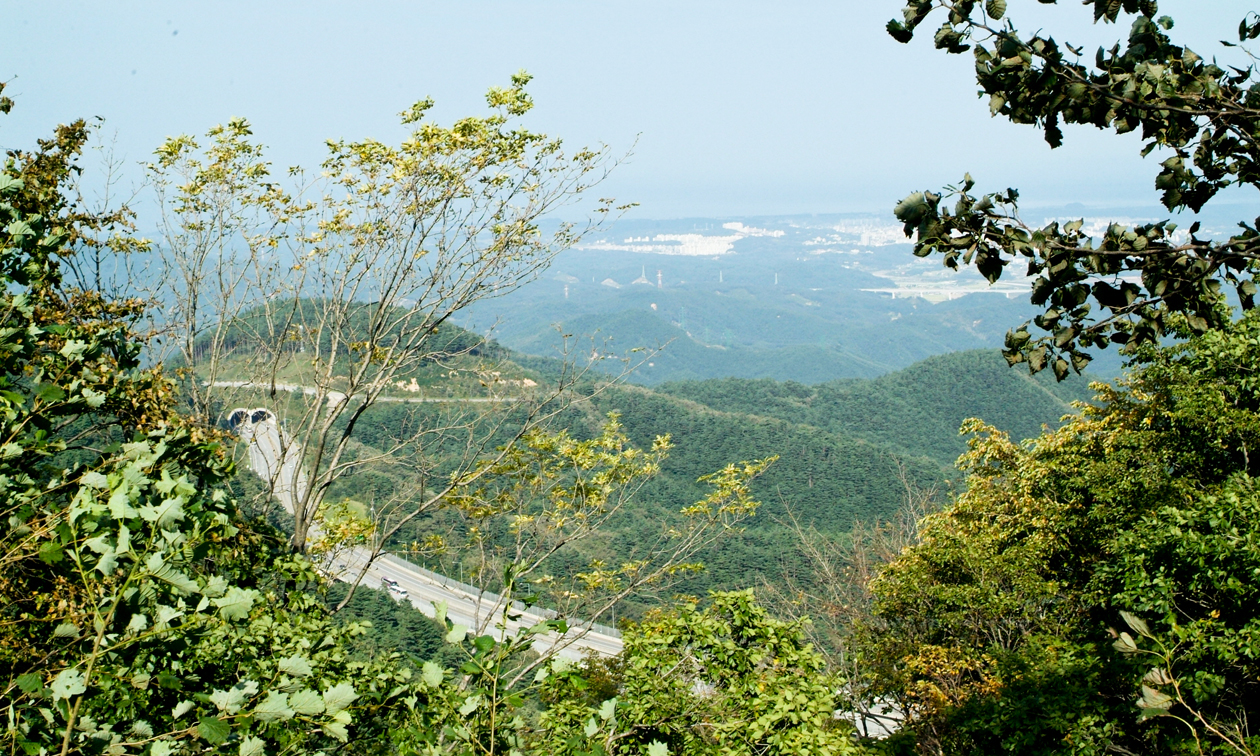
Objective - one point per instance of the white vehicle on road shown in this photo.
(394, 588)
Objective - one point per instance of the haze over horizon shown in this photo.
(738, 108)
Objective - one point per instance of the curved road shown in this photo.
(276, 458)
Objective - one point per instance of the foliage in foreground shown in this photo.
(142, 613)
(723, 679)
(1120, 288)
(139, 613)
(1095, 590)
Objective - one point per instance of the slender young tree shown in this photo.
(320, 301)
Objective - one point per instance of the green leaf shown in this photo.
(1157, 676)
(95, 480)
(912, 209)
(1125, 645)
(167, 613)
(336, 730)
(68, 683)
(30, 683)
(162, 748)
(50, 552)
(1135, 623)
(1037, 359)
(169, 512)
(295, 665)
(120, 502)
(107, 563)
(899, 32)
(470, 705)
(607, 709)
(995, 8)
(457, 634)
(228, 701)
(216, 586)
(236, 603)
(339, 697)
(252, 746)
(274, 707)
(137, 624)
(50, 392)
(431, 674)
(73, 349)
(306, 702)
(159, 569)
(1154, 699)
(657, 748)
(213, 730)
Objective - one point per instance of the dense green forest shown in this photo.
(675, 355)
(847, 452)
(916, 411)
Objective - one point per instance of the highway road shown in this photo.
(333, 398)
(276, 458)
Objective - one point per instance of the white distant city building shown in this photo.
(610, 282)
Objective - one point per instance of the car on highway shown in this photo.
(394, 588)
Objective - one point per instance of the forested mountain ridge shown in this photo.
(840, 442)
(916, 411)
(803, 298)
(846, 451)
(823, 479)
(826, 479)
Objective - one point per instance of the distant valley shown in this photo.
(802, 298)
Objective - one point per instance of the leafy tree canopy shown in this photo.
(1119, 289)
(139, 613)
(726, 678)
(1109, 562)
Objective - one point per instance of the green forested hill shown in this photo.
(817, 299)
(916, 410)
(827, 479)
(843, 449)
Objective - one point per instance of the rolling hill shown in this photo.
(916, 411)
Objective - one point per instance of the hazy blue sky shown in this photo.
(741, 108)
